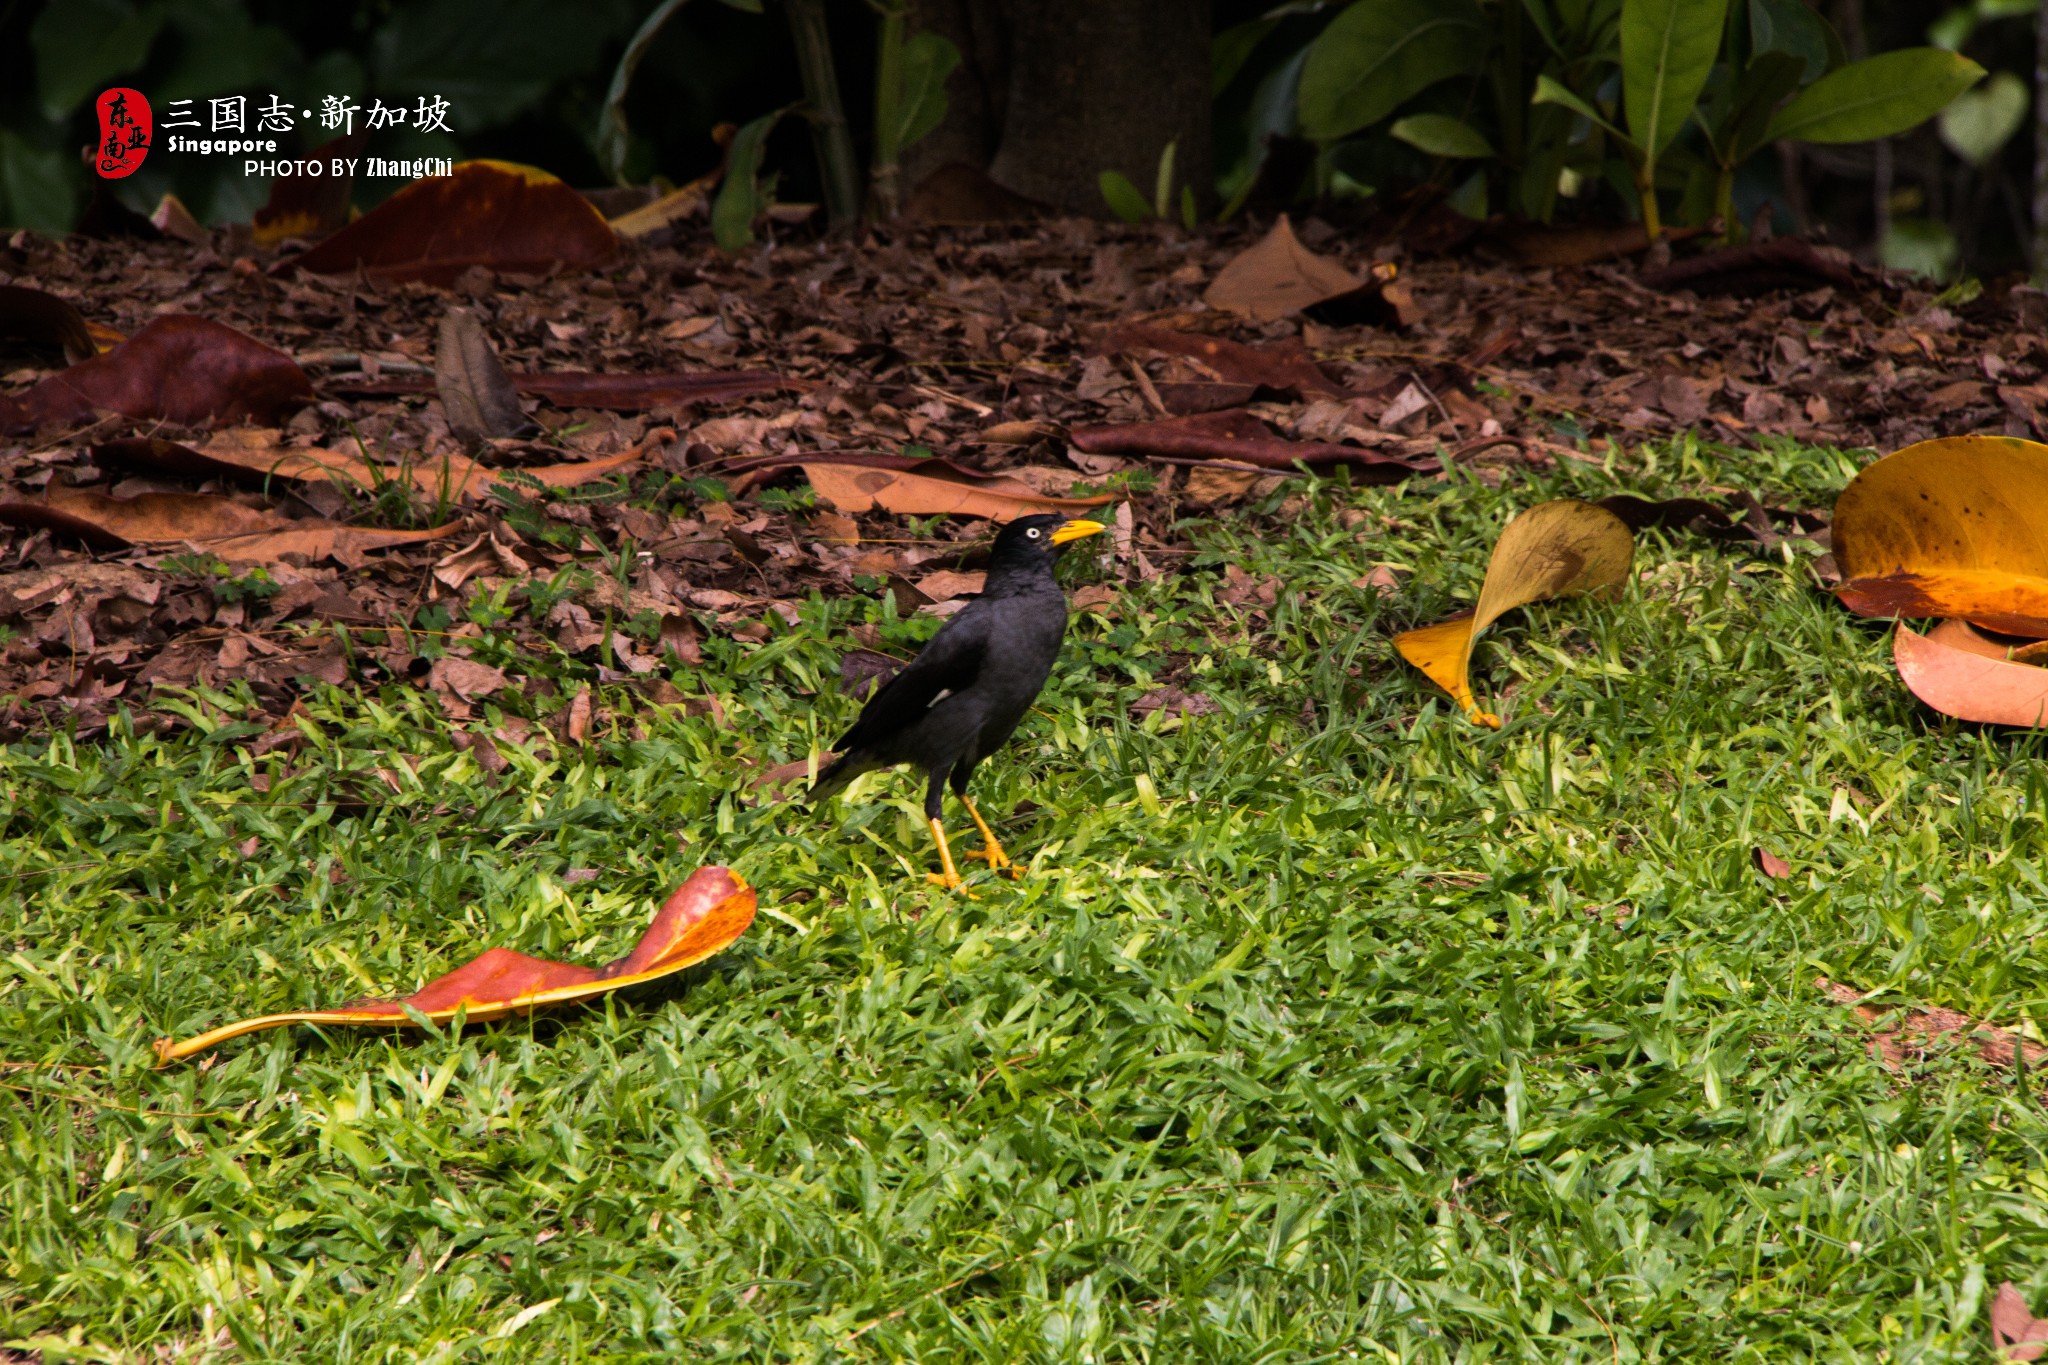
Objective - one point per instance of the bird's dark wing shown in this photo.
(949, 662)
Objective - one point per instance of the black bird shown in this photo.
(962, 696)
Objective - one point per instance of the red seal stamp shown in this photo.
(124, 132)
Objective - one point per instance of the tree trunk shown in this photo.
(1051, 93)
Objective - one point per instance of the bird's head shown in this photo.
(1039, 537)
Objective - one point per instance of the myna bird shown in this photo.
(962, 696)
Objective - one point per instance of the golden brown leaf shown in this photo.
(1958, 671)
(1949, 527)
(1554, 548)
(703, 917)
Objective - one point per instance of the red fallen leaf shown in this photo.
(1284, 367)
(179, 368)
(308, 205)
(489, 213)
(1960, 673)
(1239, 436)
(703, 917)
(616, 392)
(1770, 864)
(2017, 1333)
(858, 488)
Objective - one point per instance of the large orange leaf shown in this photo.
(703, 917)
(1554, 548)
(489, 213)
(1951, 527)
(220, 525)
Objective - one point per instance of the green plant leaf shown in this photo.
(1441, 135)
(1790, 27)
(1877, 97)
(1162, 184)
(35, 190)
(1233, 47)
(928, 58)
(1667, 51)
(1979, 122)
(1765, 82)
(1190, 217)
(81, 45)
(1378, 54)
(1548, 91)
(1124, 199)
(613, 136)
(740, 200)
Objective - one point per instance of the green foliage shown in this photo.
(1979, 122)
(221, 579)
(1442, 135)
(928, 58)
(742, 197)
(1878, 97)
(1377, 54)
(1574, 96)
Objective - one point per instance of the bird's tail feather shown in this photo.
(835, 779)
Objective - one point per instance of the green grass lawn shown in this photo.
(1329, 1026)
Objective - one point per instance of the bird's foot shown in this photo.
(997, 860)
(950, 881)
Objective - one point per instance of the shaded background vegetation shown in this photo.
(527, 79)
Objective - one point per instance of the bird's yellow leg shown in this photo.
(951, 878)
(991, 851)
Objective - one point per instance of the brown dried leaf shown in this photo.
(947, 584)
(1241, 437)
(494, 214)
(1912, 1033)
(1283, 367)
(1276, 276)
(1770, 864)
(180, 369)
(2017, 1333)
(477, 396)
(466, 678)
(41, 317)
(221, 526)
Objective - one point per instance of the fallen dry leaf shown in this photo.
(859, 488)
(1961, 672)
(1240, 437)
(179, 368)
(1910, 1034)
(39, 316)
(254, 455)
(598, 389)
(1174, 704)
(1757, 268)
(487, 213)
(466, 678)
(236, 533)
(1770, 864)
(1282, 367)
(477, 396)
(1277, 275)
(1552, 549)
(946, 584)
(703, 917)
(2017, 1333)
(1949, 527)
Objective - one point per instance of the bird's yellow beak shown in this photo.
(1077, 530)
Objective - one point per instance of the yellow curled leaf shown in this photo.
(1553, 549)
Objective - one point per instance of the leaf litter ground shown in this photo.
(1328, 1023)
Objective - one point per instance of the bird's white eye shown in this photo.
(1032, 532)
